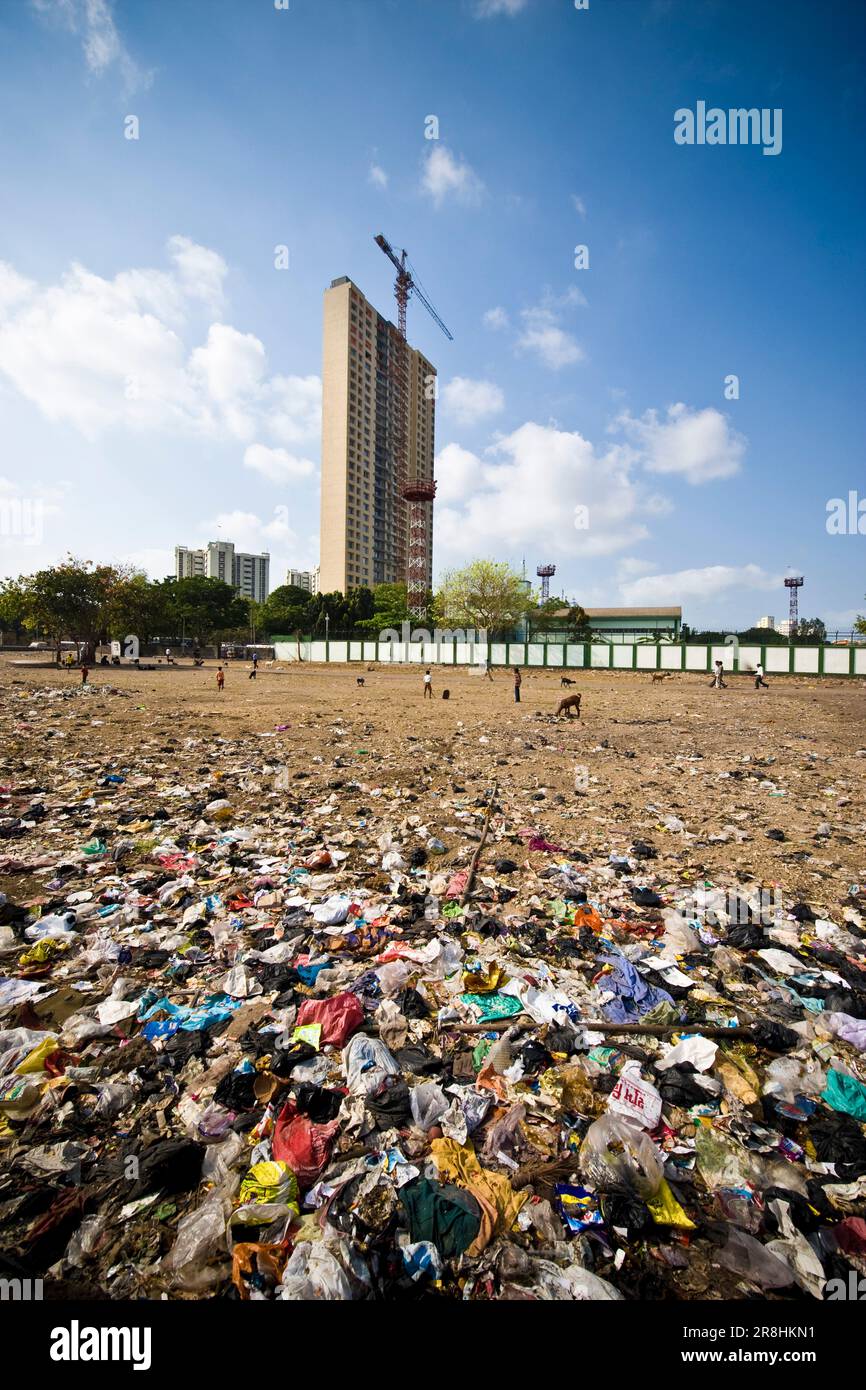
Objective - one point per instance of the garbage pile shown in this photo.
(277, 1037)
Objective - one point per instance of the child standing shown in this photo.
(221, 678)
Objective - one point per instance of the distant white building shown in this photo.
(766, 622)
(304, 579)
(249, 574)
(784, 627)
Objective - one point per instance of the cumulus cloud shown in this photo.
(257, 535)
(459, 473)
(446, 175)
(712, 581)
(496, 318)
(277, 465)
(105, 353)
(377, 176)
(524, 491)
(698, 445)
(578, 204)
(543, 336)
(470, 401)
(93, 21)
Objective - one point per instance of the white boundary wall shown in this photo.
(598, 656)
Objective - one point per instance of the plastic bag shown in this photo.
(313, 1273)
(746, 1256)
(340, 1016)
(616, 1156)
(428, 1103)
(201, 1237)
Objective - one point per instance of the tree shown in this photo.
(485, 594)
(286, 610)
(860, 625)
(70, 600)
(201, 608)
(139, 608)
(390, 609)
(811, 630)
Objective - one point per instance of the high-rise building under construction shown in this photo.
(364, 515)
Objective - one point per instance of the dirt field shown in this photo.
(730, 764)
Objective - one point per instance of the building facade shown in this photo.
(304, 579)
(364, 520)
(249, 574)
(768, 622)
(616, 625)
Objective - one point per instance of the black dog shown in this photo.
(565, 681)
(359, 680)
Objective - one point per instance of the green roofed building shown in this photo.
(614, 625)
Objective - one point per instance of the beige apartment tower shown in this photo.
(364, 529)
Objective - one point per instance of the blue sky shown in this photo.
(159, 377)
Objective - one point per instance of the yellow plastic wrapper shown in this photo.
(665, 1210)
(483, 981)
(43, 951)
(269, 1182)
(572, 1089)
(310, 1033)
(35, 1060)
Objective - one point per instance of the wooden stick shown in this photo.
(470, 880)
(654, 1030)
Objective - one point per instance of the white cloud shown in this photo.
(523, 493)
(494, 318)
(632, 568)
(255, 535)
(277, 465)
(102, 354)
(446, 175)
(377, 176)
(578, 204)
(542, 335)
(470, 401)
(712, 581)
(104, 49)
(156, 562)
(458, 474)
(698, 445)
(487, 9)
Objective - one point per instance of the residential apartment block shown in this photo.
(364, 520)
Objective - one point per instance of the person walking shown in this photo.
(254, 671)
(718, 683)
(428, 685)
(759, 677)
(85, 672)
(517, 683)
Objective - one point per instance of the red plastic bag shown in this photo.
(340, 1017)
(304, 1146)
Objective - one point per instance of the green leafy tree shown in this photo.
(811, 630)
(71, 600)
(390, 608)
(860, 625)
(202, 608)
(484, 594)
(141, 608)
(285, 611)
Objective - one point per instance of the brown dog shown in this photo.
(567, 704)
(660, 676)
